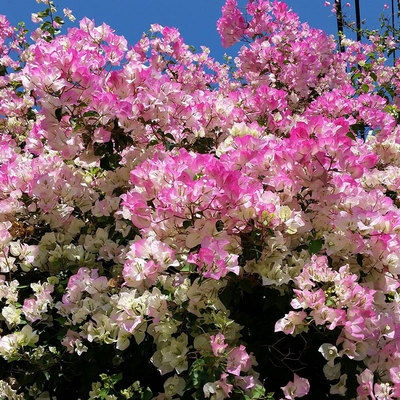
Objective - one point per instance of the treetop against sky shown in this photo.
(195, 20)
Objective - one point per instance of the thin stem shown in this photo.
(393, 27)
(339, 20)
(358, 20)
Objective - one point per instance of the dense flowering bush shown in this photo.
(176, 228)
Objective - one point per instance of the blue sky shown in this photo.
(195, 19)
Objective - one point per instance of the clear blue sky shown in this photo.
(195, 19)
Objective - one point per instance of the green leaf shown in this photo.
(91, 114)
(61, 320)
(358, 127)
(111, 162)
(315, 246)
(44, 14)
(390, 297)
(219, 225)
(31, 114)
(58, 114)
(46, 26)
(147, 395)
(187, 268)
(330, 302)
(121, 140)
(351, 136)
(116, 378)
(169, 136)
(74, 123)
(101, 149)
(59, 20)
(197, 373)
(187, 223)
(153, 142)
(365, 88)
(169, 145)
(373, 76)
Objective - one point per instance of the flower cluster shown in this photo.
(173, 227)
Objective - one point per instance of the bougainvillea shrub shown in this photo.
(173, 227)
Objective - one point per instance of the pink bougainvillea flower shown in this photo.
(218, 344)
(231, 25)
(298, 388)
(238, 360)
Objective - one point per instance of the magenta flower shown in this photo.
(231, 25)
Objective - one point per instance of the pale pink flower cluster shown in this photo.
(237, 360)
